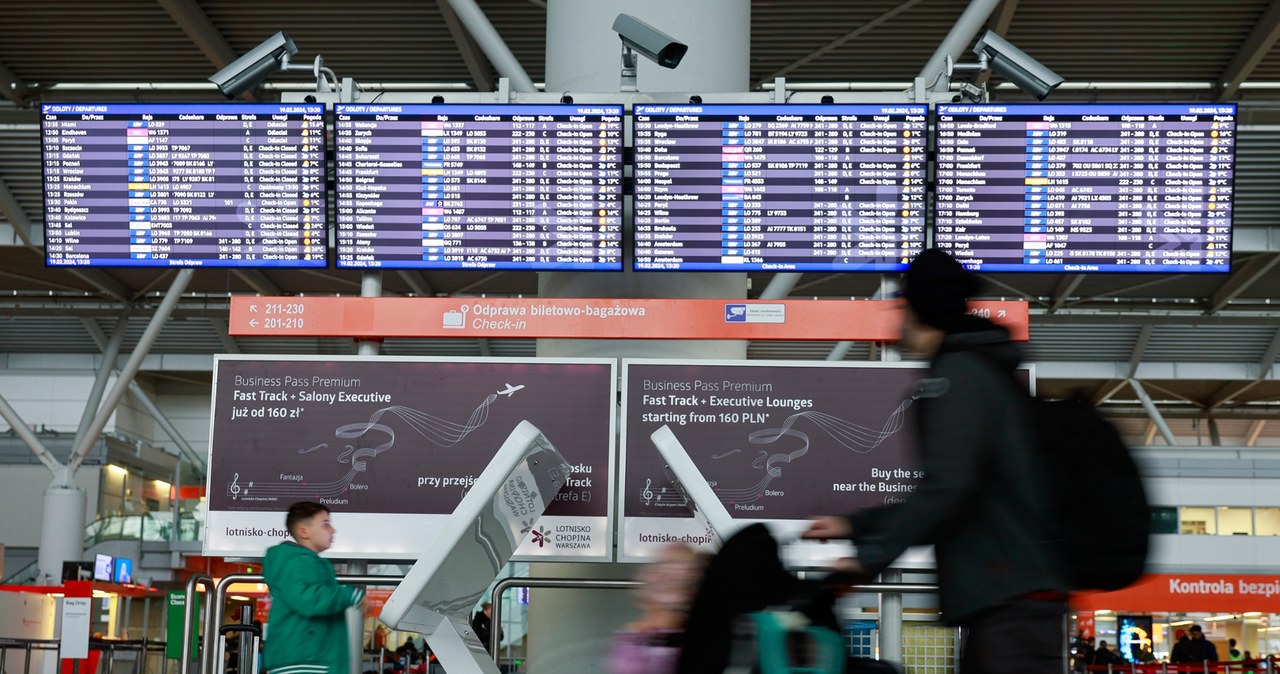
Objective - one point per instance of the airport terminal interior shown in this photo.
(254, 253)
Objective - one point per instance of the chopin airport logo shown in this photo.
(542, 536)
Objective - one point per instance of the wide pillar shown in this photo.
(62, 530)
(569, 630)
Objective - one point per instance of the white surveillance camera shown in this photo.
(1016, 66)
(250, 70)
(654, 44)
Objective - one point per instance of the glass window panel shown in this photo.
(1235, 521)
(1165, 520)
(1198, 521)
(1268, 521)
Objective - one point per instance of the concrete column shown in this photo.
(62, 530)
(569, 630)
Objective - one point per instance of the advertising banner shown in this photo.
(778, 442)
(391, 445)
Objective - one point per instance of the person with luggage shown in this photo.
(308, 628)
(983, 501)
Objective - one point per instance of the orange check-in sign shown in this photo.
(610, 318)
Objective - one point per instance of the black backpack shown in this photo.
(1095, 483)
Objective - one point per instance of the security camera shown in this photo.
(1016, 66)
(250, 70)
(654, 44)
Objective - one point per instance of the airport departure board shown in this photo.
(1086, 188)
(535, 187)
(779, 187)
(183, 185)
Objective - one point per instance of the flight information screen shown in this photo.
(779, 187)
(1085, 188)
(181, 185)
(479, 186)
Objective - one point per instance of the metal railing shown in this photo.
(1266, 666)
(215, 608)
(146, 650)
(582, 584)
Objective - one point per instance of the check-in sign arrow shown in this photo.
(253, 308)
(253, 322)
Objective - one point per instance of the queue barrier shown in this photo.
(144, 650)
(1261, 666)
(215, 609)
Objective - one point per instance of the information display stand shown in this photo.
(437, 595)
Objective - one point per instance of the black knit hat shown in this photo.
(937, 288)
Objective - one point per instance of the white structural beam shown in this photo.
(23, 431)
(839, 42)
(257, 280)
(1066, 286)
(1154, 412)
(229, 343)
(103, 282)
(1000, 23)
(953, 45)
(1140, 349)
(780, 285)
(1255, 430)
(1152, 370)
(472, 56)
(1150, 435)
(491, 42)
(1248, 274)
(1251, 52)
(417, 282)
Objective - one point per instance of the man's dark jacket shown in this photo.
(983, 502)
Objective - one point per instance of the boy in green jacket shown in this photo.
(307, 629)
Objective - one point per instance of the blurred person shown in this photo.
(1233, 653)
(984, 499)
(482, 623)
(308, 609)
(1083, 654)
(1105, 656)
(1183, 650)
(650, 644)
(1202, 649)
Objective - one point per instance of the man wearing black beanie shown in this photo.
(982, 502)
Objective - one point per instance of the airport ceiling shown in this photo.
(1135, 50)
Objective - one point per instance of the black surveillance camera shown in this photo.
(566, 98)
(1016, 66)
(252, 69)
(652, 43)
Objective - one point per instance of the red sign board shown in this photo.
(609, 318)
(1188, 593)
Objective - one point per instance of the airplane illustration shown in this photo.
(510, 390)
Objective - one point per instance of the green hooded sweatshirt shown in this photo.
(307, 628)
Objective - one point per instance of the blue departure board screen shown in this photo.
(533, 187)
(1086, 188)
(779, 187)
(184, 185)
